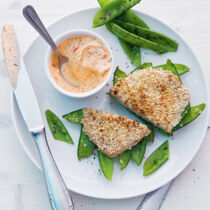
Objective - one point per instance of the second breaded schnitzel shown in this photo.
(155, 95)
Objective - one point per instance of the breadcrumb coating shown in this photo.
(112, 133)
(155, 95)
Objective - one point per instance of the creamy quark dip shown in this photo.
(88, 66)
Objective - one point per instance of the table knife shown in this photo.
(59, 195)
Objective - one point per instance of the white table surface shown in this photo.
(21, 183)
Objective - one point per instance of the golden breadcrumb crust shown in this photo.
(112, 133)
(154, 94)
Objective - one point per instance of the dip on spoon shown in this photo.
(89, 61)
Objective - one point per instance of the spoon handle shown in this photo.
(32, 17)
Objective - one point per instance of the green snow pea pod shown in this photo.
(74, 117)
(132, 51)
(156, 159)
(104, 2)
(195, 112)
(151, 136)
(106, 164)
(136, 40)
(124, 158)
(57, 128)
(111, 10)
(181, 68)
(138, 151)
(153, 36)
(118, 75)
(85, 146)
(131, 17)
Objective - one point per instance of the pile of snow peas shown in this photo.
(131, 30)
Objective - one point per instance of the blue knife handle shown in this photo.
(59, 195)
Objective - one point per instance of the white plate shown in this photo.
(84, 176)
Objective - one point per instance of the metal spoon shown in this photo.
(32, 17)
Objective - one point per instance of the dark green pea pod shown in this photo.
(165, 133)
(153, 36)
(57, 128)
(118, 75)
(74, 117)
(156, 159)
(181, 69)
(138, 151)
(131, 17)
(104, 2)
(136, 40)
(85, 146)
(106, 164)
(195, 112)
(132, 51)
(124, 158)
(111, 10)
(151, 136)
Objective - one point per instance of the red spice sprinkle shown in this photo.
(75, 49)
(105, 56)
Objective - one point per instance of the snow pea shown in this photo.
(156, 159)
(181, 69)
(195, 112)
(124, 158)
(111, 10)
(85, 146)
(131, 17)
(74, 117)
(150, 35)
(151, 136)
(138, 151)
(132, 51)
(57, 128)
(136, 40)
(118, 75)
(106, 164)
(104, 2)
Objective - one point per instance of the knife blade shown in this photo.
(59, 195)
(20, 80)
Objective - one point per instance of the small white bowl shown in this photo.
(59, 40)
